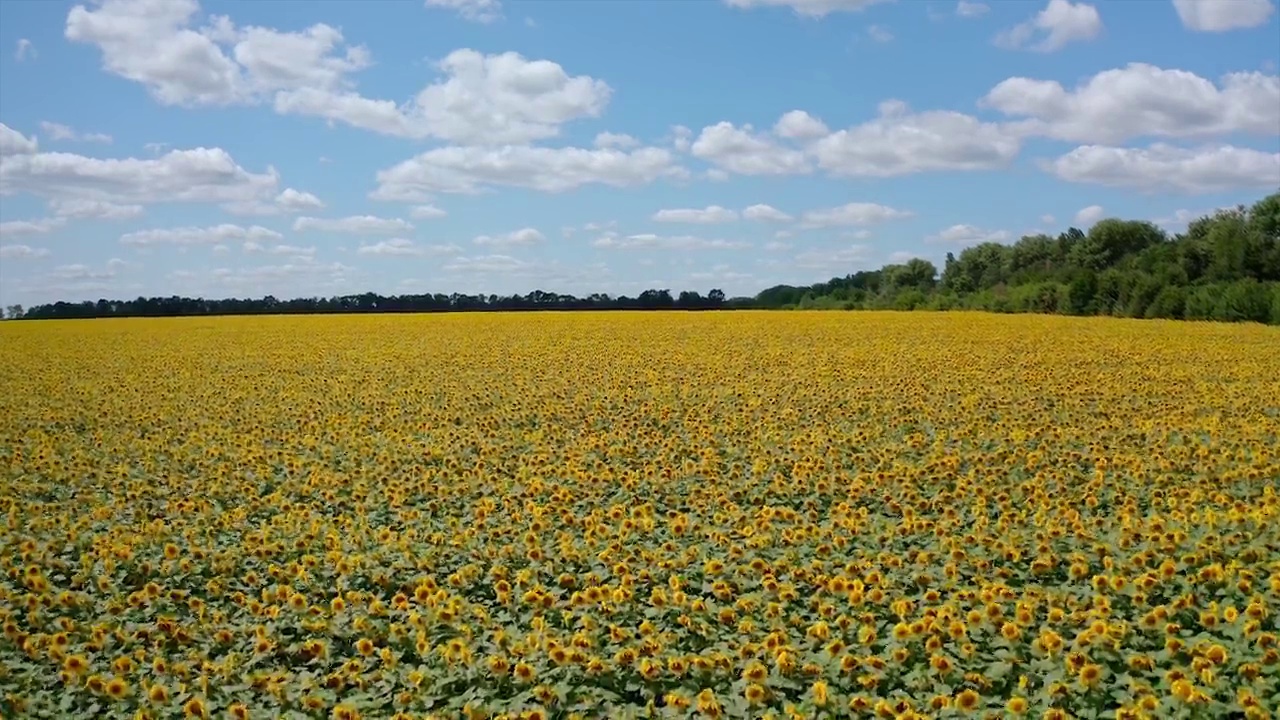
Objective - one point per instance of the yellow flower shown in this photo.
(968, 700)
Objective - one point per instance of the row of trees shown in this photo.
(1224, 267)
(373, 302)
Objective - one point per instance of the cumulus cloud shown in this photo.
(480, 11)
(472, 169)
(765, 213)
(848, 257)
(21, 252)
(93, 209)
(896, 142)
(484, 99)
(1058, 25)
(58, 131)
(213, 235)
(293, 250)
(1087, 216)
(24, 50)
(426, 212)
(650, 241)
(490, 99)
(403, 246)
(1142, 100)
(852, 214)
(1162, 167)
(902, 142)
(289, 201)
(799, 125)
(200, 175)
(353, 225)
(966, 9)
(13, 142)
(709, 215)
(967, 235)
(615, 140)
(516, 238)
(879, 33)
(808, 8)
(1223, 15)
(747, 152)
(13, 228)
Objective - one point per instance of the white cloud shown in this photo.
(295, 250)
(21, 252)
(1181, 218)
(470, 169)
(1059, 24)
(650, 241)
(709, 215)
(1162, 167)
(13, 142)
(494, 99)
(289, 201)
(516, 238)
(800, 125)
(720, 273)
(201, 175)
(200, 235)
(808, 8)
(81, 272)
(93, 209)
(681, 138)
(13, 228)
(481, 11)
(834, 262)
(1223, 15)
(24, 50)
(765, 213)
(58, 131)
(301, 275)
(852, 214)
(489, 264)
(152, 42)
(1048, 219)
(968, 235)
(777, 246)
(967, 9)
(746, 152)
(426, 212)
(1087, 216)
(616, 140)
(402, 246)
(295, 201)
(879, 33)
(353, 225)
(484, 99)
(900, 142)
(1142, 100)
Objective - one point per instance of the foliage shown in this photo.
(641, 515)
(1225, 267)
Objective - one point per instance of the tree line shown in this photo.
(1226, 266)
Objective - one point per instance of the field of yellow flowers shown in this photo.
(639, 515)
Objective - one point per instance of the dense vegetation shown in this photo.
(1224, 267)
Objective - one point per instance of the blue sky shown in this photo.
(158, 147)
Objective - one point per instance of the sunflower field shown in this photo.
(626, 515)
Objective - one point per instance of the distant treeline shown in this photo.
(1224, 267)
